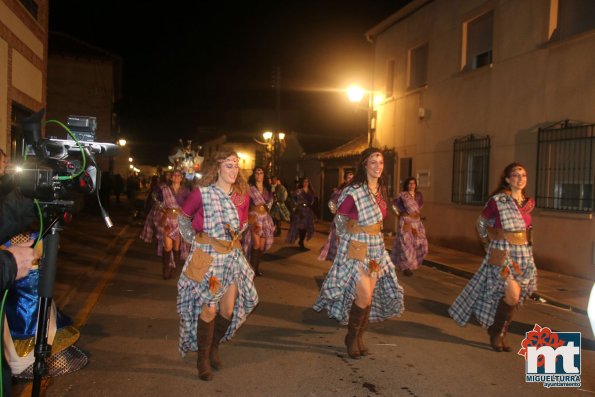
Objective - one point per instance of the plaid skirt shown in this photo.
(483, 292)
(266, 230)
(339, 288)
(228, 269)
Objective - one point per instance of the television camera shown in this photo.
(54, 172)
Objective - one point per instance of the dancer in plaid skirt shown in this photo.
(411, 246)
(216, 289)
(163, 219)
(261, 232)
(302, 217)
(507, 274)
(362, 285)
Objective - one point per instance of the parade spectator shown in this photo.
(16, 214)
(507, 275)
(361, 286)
(329, 249)
(279, 211)
(163, 220)
(302, 217)
(262, 229)
(118, 187)
(216, 290)
(411, 245)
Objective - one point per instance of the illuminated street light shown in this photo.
(267, 135)
(356, 95)
(130, 159)
(122, 142)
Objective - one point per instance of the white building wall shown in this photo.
(530, 84)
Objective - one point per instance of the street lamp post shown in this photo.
(356, 95)
(274, 149)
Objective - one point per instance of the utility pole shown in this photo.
(276, 143)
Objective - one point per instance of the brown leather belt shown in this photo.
(220, 246)
(520, 237)
(171, 213)
(259, 209)
(353, 227)
(415, 215)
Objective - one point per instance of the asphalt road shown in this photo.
(110, 283)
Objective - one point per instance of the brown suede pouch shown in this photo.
(497, 257)
(198, 266)
(357, 250)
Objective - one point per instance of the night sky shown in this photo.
(187, 65)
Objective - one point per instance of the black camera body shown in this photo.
(57, 170)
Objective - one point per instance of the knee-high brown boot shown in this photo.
(165, 263)
(363, 350)
(221, 325)
(353, 327)
(509, 315)
(496, 330)
(204, 339)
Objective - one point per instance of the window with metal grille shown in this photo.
(565, 167)
(470, 170)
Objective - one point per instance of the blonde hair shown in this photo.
(211, 171)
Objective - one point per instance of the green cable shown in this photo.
(6, 294)
(84, 166)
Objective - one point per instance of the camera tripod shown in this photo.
(59, 211)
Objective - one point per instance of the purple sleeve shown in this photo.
(348, 208)
(243, 210)
(193, 208)
(420, 199)
(400, 205)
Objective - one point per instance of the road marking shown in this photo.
(82, 316)
(65, 299)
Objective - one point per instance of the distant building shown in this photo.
(85, 80)
(23, 65)
(463, 88)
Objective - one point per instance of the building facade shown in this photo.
(23, 66)
(464, 87)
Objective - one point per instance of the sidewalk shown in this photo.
(554, 288)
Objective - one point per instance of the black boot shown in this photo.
(497, 329)
(356, 316)
(257, 271)
(221, 325)
(363, 350)
(254, 260)
(165, 264)
(204, 339)
(302, 234)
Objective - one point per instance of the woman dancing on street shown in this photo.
(216, 289)
(164, 218)
(302, 217)
(262, 229)
(362, 285)
(507, 274)
(411, 246)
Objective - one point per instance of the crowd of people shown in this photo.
(226, 224)
(211, 234)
